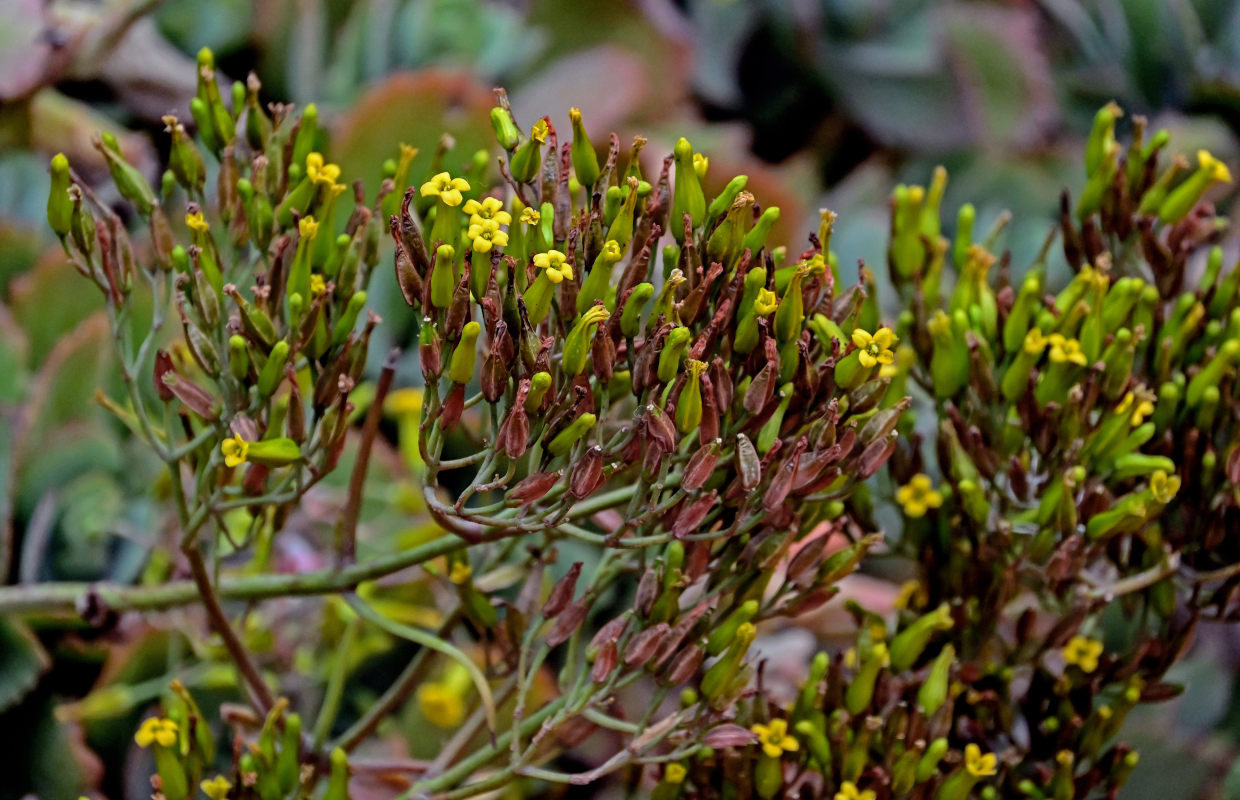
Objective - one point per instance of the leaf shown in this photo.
(22, 661)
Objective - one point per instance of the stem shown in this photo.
(346, 525)
(64, 597)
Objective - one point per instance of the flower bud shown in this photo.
(584, 157)
(860, 689)
(129, 181)
(59, 204)
(270, 375)
(630, 317)
(687, 197)
(933, 691)
(527, 160)
(506, 132)
(563, 441)
(461, 365)
(909, 644)
(278, 452)
(1181, 200)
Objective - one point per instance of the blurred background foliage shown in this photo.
(823, 103)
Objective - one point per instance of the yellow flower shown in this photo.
(234, 450)
(874, 348)
(539, 132)
(1065, 350)
(774, 738)
(197, 223)
(1217, 169)
(1163, 486)
(404, 401)
(765, 303)
(485, 234)
(675, 773)
(441, 704)
(555, 263)
(1082, 652)
(849, 791)
(911, 595)
(460, 572)
(918, 495)
(611, 251)
(1035, 343)
(156, 730)
(700, 164)
(308, 227)
(1141, 406)
(317, 284)
(977, 764)
(490, 208)
(447, 188)
(318, 172)
(530, 216)
(217, 788)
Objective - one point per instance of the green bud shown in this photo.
(563, 441)
(949, 363)
(344, 325)
(755, 240)
(965, 219)
(768, 776)
(577, 343)
(1019, 318)
(338, 782)
(273, 452)
(461, 366)
(770, 429)
(585, 159)
(59, 204)
(929, 764)
(908, 645)
(307, 132)
(723, 634)
(1101, 137)
(674, 349)
(630, 318)
(689, 404)
(596, 284)
(1213, 372)
(1184, 197)
(933, 691)
(129, 181)
(817, 743)
(540, 382)
(687, 197)
(527, 160)
(238, 357)
(272, 373)
(860, 690)
(790, 315)
(443, 276)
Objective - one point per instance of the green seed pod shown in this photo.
(933, 691)
(443, 276)
(344, 325)
(720, 205)
(687, 197)
(506, 131)
(768, 776)
(59, 204)
(274, 452)
(860, 689)
(816, 740)
(755, 240)
(908, 254)
(723, 634)
(461, 366)
(596, 284)
(273, 370)
(909, 644)
(621, 228)
(307, 132)
(288, 763)
(338, 782)
(1019, 318)
(577, 343)
(674, 349)
(965, 220)
(527, 160)
(585, 159)
(949, 364)
(929, 764)
(539, 384)
(129, 181)
(790, 316)
(563, 441)
(630, 318)
(238, 357)
(1101, 137)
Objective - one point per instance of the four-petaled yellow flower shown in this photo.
(404, 401)
(484, 234)
(217, 788)
(447, 188)
(874, 348)
(1035, 342)
(765, 302)
(234, 450)
(978, 764)
(1164, 486)
(1217, 169)
(1083, 652)
(675, 773)
(539, 132)
(1140, 405)
(556, 264)
(441, 704)
(156, 730)
(530, 216)
(775, 739)
(318, 172)
(1065, 350)
(918, 495)
(849, 791)
(197, 222)
(308, 227)
(489, 208)
(318, 284)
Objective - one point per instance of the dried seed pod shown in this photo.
(562, 593)
(567, 623)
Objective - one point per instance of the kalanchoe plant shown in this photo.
(615, 363)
